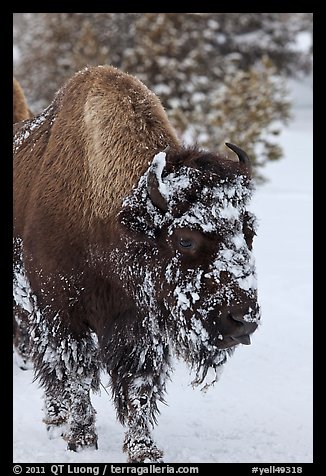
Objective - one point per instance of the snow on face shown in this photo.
(194, 286)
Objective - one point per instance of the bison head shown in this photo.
(190, 235)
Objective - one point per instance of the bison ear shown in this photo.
(155, 187)
(243, 158)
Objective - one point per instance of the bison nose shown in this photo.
(233, 325)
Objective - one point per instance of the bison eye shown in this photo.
(187, 244)
(187, 241)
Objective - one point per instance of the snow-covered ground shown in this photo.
(261, 409)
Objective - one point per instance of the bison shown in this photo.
(20, 107)
(130, 249)
(21, 112)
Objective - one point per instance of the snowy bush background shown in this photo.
(220, 76)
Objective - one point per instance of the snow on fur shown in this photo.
(217, 208)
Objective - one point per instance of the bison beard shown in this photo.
(171, 274)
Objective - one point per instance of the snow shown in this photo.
(15, 54)
(261, 408)
(158, 166)
(303, 41)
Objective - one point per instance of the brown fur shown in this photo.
(20, 107)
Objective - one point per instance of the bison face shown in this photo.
(211, 279)
(199, 266)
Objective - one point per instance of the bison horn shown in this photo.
(243, 158)
(155, 187)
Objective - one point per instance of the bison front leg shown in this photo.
(67, 367)
(56, 410)
(138, 384)
(138, 442)
(81, 423)
(68, 412)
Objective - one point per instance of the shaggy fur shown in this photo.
(20, 108)
(120, 264)
(21, 112)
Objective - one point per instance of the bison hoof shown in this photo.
(146, 455)
(74, 446)
(81, 440)
(142, 451)
(153, 461)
